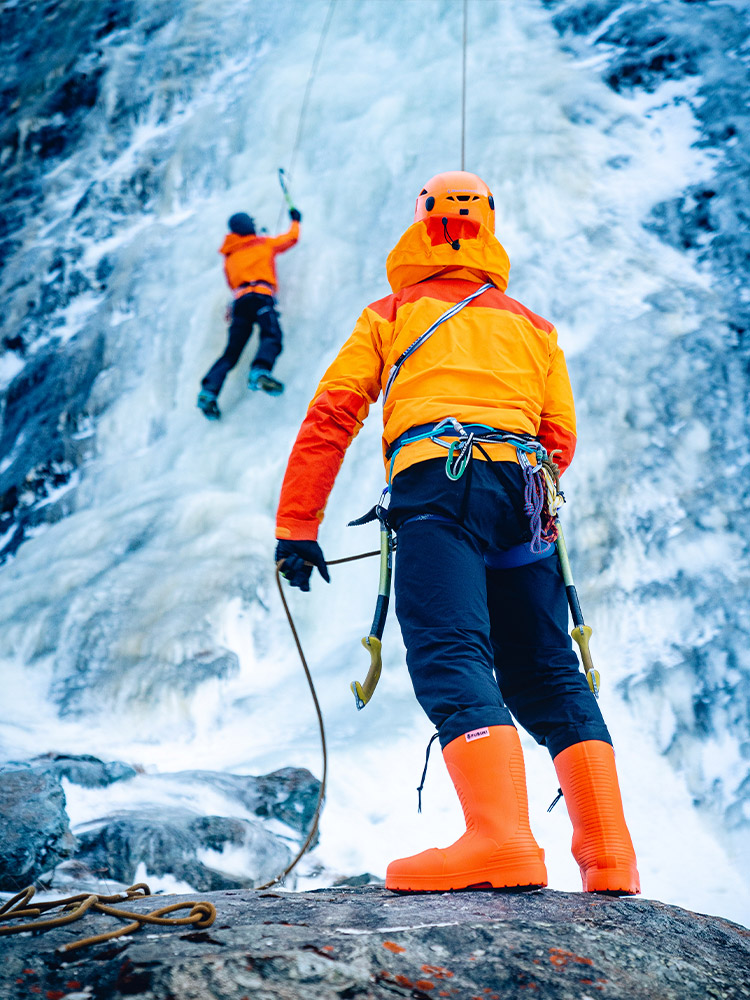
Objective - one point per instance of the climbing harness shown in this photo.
(249, 286)
(201, 916)
(581, 633)
(393, 374)
(542, 499)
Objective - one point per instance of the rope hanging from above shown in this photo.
(306, 98)
(463, 89)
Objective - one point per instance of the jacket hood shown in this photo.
(234, 242)
(423, 252)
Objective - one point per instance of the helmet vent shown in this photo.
(423, 191)
(463, 197)
(429, 204)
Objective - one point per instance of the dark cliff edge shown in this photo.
(369, 943)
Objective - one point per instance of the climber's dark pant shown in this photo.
(247, 310)
(483, 643)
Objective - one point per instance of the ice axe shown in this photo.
(581, 632)
(373, 642)
(285, 189)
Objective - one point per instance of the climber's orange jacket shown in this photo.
(249, 261)
(494, 363)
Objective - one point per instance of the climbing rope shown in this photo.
(202, 914)
(306, 97)
(463, 89)
(323, 746)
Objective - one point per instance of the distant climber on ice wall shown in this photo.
(249, 266)
(470, 373)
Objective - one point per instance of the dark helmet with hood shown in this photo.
(241, 224)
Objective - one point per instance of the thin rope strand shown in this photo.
(463, 91)
(306, 97)
(319, 713)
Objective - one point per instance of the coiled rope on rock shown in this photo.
(202, 914)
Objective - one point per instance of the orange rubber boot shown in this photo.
(498, 850)
(601, 841)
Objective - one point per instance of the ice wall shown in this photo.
(137, 599)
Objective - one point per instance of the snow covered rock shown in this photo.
(263, 819)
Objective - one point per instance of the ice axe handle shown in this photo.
(285, 189)
(581, 632)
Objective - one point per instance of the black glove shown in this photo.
(297, 557)
(295, 215)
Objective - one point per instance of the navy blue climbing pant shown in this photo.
(248, 310)
(483, 643)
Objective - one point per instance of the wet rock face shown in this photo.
(43, 436)
(371, 944)
(37, 843)
(169, 842)
(34, 829)
(83, 769)
(63, 121)
(49, 89)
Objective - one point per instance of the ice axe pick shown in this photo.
(373, 642)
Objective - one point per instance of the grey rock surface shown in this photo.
(371, 944)
(36, 835)
(34, 829)
(170, 841)
(83, 769)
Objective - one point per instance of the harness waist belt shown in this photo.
(247, 286)
(480, 432)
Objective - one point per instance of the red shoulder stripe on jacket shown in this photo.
(554, 437)
(453, 290)
(332, 420)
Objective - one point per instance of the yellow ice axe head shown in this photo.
(581, 634)
(363, 692)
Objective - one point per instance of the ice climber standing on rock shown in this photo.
(479, 592)
(249, 266)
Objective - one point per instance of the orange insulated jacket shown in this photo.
(249, 259)
(494, 363)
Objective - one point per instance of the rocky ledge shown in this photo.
(367, 943)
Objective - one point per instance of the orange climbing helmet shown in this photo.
(456, 194)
